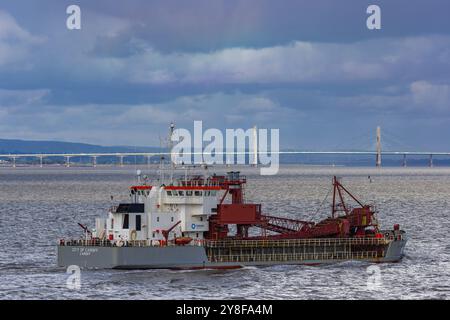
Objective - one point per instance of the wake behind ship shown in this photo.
(204, 222)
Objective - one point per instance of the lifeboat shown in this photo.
(182, 241)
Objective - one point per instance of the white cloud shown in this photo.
(15, 42)
(297, 62)
(236, 109)
(419, 96)
(433, 96)
(9, 29)
(139, 124)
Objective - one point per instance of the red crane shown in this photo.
(354, 222)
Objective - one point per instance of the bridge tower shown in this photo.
(67, 161)
(378, 160)
(255, 146)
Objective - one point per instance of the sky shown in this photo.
(309, 68)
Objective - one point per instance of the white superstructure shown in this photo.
(157, 213)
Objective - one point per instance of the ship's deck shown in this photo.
(295, 242)
(296, 249)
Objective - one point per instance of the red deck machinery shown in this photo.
(352, 222)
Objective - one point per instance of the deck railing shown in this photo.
(294, 242)
(107, 243)
(233, 243)
(286, 257)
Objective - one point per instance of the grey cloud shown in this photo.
(204, 26)
(23, 98)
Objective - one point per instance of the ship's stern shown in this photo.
(395, 249)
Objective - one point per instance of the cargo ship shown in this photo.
(203, 221)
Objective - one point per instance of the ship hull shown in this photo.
(193, 257)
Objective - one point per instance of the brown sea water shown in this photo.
(40, 205)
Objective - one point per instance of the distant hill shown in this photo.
(24, 146)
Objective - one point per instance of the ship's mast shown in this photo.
(169, 146)
(161, 163)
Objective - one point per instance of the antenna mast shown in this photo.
(338, 191)
(161, 162)
(170, 147)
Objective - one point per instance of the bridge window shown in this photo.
(169, 193)
(126, 223)
(181, 193)
(171, 219)
(198, 193)
(138, 222)
(189, 193)
(157, 219)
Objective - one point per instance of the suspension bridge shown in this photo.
(378, 153)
